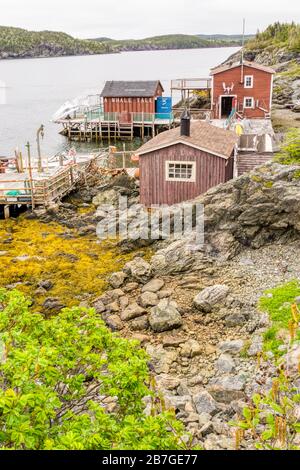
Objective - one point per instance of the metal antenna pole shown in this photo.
(243, 45)
(40, 133)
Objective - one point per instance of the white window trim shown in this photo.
(245, 81)
(252, 101)
(180, 162)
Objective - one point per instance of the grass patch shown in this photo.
(277, 303)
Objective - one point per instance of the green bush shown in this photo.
(56, 374)
(290, 151)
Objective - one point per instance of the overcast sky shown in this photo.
(140, 18)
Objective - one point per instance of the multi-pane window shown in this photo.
(249, 103)
(181, 171)
(249, 81)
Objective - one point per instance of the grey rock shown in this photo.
(205, 403)
(190, 348)
(167, 382)
(99, 306)
(153, 286)
(214, 442)
(225, 363)
(164, 317)
(109, 196)
(161, 359)
(117, 279)
(235, 319)
(140, 324)
(132, 311)
(210, 297)
(232, 347)
(114, 307)
(204, 418)
(292, 360)
(176, 258)
(114, 322)
(139, 270)
(124, 302)
(228, 388)
(47, 285)
(131, 286)
(206, 429)
(165, 293)
(176, 402)
(256, 346)
(53, 304)
(148, 299)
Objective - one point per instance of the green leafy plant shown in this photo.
(272, 421)
(277, 302)
(67, 382)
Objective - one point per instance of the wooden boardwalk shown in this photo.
(33, 188)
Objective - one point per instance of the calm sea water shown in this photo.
(36, 88)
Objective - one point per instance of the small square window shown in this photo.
(181, 171)
(249, 103)
(249, 81)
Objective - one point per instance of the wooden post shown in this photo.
(30, 175)
(40, 132)
(124, 156)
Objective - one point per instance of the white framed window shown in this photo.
(181, 171)
(248, 81)
(248, 102)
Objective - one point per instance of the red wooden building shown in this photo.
(131, 97)
(182, 163)
(242, 88)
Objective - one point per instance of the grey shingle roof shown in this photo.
(141, 89)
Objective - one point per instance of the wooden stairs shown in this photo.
(248, 161)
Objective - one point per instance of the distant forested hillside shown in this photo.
(20, 43)
(173, 41)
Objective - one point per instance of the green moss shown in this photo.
(296, 175)
(257, 179)
(277, 303)
(292, 72)
(77, 266)
(268, 184)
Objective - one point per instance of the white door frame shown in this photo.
(220, 103)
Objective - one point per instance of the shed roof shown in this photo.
(254, 65)
(203, 137)
(120, 89)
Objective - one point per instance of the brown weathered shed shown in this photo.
(131, 96)
(182, 163)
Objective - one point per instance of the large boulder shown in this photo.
(139, 270)
(164, 317)
(107, 197)
(210, 297)
(176, 258)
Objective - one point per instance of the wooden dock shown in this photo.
(33, 188)
(96, 126)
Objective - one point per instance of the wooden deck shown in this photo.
(33, 188)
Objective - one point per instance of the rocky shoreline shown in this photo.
(195, 311)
